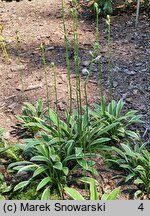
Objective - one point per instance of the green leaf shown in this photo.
(58, 166)
(21, 185)
(55, 158)
(44, 182)
(20, 163)
(138, 181)
(132, 134)
(107, 128)
(139, 168)
(28, 167)
(100, 140)
(137, 193)
(118, 151)
(1, 131)
(94, 195)
(130, 113)
(2, 197)
(53, 116)
(78, 151)
(129, 177)
(128, 151)
(39, 171)
(30, 106)
(74, 194)
(112, 196)
(46, 194)
(2, 150)
(88, 180)
(40, 158)
(65, 170)
(119, 108)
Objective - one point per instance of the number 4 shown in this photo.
(141, 207)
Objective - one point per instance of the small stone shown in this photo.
(20, 88)
(17, 68)
(33, 87)
(49, 48)
(144, 70)
(148, 89)
(148, 51)
(95, 69)
(132, 72)
(6, 135)
(96, 60)
(135, 91)
(2, 169)
(86, 63)
(38, 37)
(115, 84)
(138, 64)
(9, 76)
(129, 99)
(124, 96)
(61, 106)
(13, 106)
(85, 71)
(126, 71)
(143, 108)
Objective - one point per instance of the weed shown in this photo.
(3, 46)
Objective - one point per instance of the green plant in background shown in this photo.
(18, 43)
(3, 46)
(135, 162)
(4, 188)
(2, 185)
(93, 193)
(104, 6)
(6, 149)
(28, 117)
(26, 194)
(1, 132)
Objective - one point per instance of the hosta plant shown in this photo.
(29, 113)
(93, 193)
(72, 133)
(48, 172)
(105, 6)
(135, 162)
(113, 114)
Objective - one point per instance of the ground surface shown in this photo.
(39, 21)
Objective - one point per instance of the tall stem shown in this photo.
(18, 41)
(97, 48)
(67, 57)
(109, 59)
(74, 14)
(45, 72)
(56, 96)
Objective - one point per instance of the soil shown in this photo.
(39, 21)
